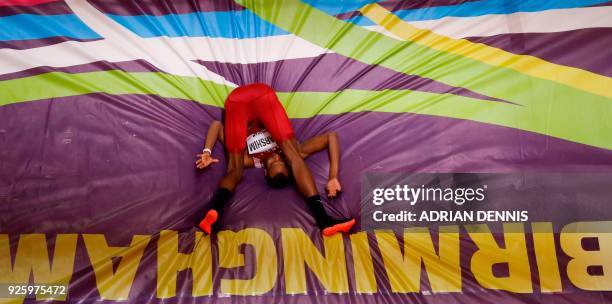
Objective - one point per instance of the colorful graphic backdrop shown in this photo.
(104, 104)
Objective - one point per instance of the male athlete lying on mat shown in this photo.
(255, 119)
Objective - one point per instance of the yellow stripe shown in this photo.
(529, 65)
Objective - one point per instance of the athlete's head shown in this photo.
(277, 171)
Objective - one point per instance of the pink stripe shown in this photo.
(51, 8)
(24, 2)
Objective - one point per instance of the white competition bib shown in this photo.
(260, 142)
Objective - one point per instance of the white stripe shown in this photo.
(166, 53)
(174, 55)
(171, 55)
(548, 21)
(130, 44)
(162, 52)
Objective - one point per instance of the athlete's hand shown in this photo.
(205, 160)
(333, 187)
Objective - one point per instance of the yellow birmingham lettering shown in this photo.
(577, 268)
(546, 257)
(330, 269)
(514, 254)
(170, 261)
(404, 271)
(32, 257)
(114, 285)
(365, 280)
(230, 257)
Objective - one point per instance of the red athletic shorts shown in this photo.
(254, 103)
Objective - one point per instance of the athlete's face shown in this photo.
(275, 165)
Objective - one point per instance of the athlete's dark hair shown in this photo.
(278, 181)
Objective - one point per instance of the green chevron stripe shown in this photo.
(596, 125)
(405, 57)
(59, 84)
(308, 104)
(551, 108)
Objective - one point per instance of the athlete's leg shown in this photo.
(307, 187)
(237, 113)
(272, 114)
(301, 172)
(235, 167)
(236, 118)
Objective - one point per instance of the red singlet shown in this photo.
(255, 104)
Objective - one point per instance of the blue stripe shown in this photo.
(335, 7)
(27, 26)
(480, 8)
(235, 24)
(245, 24)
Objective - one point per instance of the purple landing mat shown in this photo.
(124, 165)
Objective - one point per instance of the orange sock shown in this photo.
(343, 227)
(208, 221)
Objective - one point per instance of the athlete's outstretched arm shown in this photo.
(215, 131)
(205, 159)
(318, 143)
